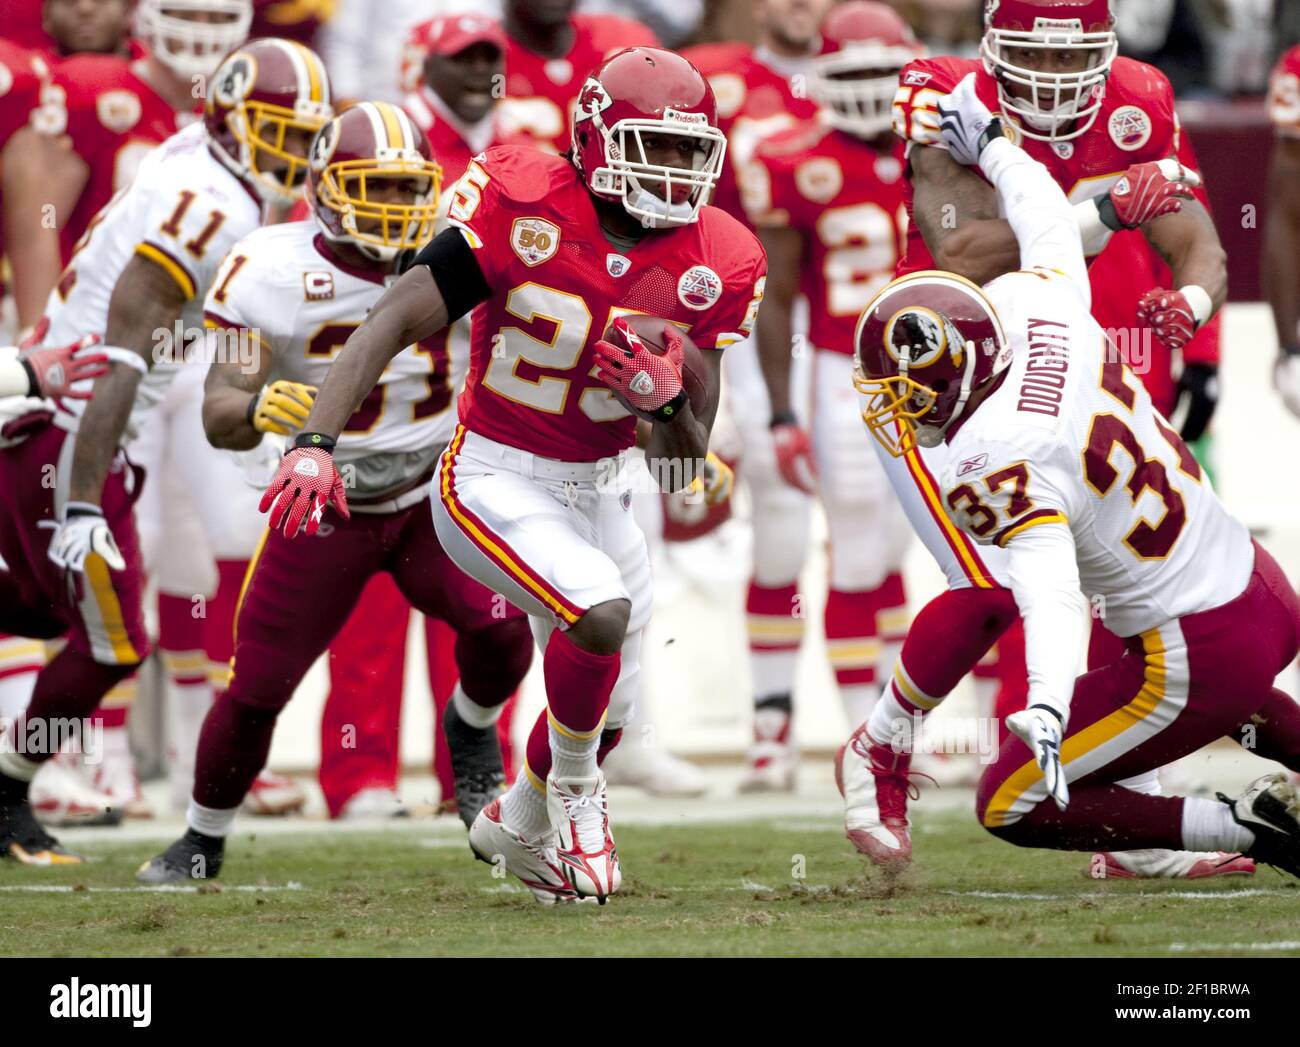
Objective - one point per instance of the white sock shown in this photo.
(1208, 825)
(858, 700)
(209, 821)
(15, 765)
(523, 808)
(572, 757)
(472, 713)
(892, 725)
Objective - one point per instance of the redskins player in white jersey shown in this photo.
(300, 290)
(143, 268)
(1057, 455)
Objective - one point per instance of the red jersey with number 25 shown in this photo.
(557, 284)
(846, 198)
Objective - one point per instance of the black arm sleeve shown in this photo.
(456, 271)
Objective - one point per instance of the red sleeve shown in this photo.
(1284, 94)
(741, 263)
(921, 83)
(80, 86)
(20, 89)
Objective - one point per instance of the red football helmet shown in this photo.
(855, 77)
(648, 91)
(265, 103)
(1057, 106)
(923, 345)
(353, 156)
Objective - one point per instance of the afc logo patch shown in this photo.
(1130, 127)
(819, 179)
(318, 286)
(973, 465)
(534, 240)
(699, 288)
(118, 111)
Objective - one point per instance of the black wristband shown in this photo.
(1106, 212)
(456, 271)
(1290, 350)
(991, 133)
(669, 411)
(786, 417)
(1049, 709)
(325, 443)
(252, 409)
(35, 389)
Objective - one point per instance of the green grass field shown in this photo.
(775, 888)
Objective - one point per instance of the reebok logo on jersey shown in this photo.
(973, 465)
(916, 78)
(307, 467)
(642, 384)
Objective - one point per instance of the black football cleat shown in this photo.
(476, 764)
(192, 857)
(1270, 808)
(23, 840)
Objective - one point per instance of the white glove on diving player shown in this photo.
(82, 532)
(1041, 731)
(965, 124)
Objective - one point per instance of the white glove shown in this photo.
(965, 124)
(1286, 379)
(1041, 731)
(82, 532)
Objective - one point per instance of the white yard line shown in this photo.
(1234, 946)
(216, 888)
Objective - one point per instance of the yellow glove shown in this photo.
(281, 408)
(715, 482)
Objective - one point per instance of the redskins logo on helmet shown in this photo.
(267, 102)
(923, 345)
(373, 182)
(638, 93)
(1046, 105)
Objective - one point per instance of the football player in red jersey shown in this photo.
(98, 27)
(827, 196)
(532, 497)
(1099, 124)
(1282, 227)
(763, 89)
(549, 53)
(374, 191)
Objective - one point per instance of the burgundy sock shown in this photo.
(537, 752)
(1274, 731)
(70, 687)
(233, 747)
(1099, 818)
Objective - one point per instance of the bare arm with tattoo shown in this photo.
(146, 299)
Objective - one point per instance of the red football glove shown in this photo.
(306, 483)
(648, 383)
(54, 369)
(1149, 190)
(794, 456)
(1170, 315)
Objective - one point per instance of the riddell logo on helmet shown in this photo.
(679, 117)
(1058, 25)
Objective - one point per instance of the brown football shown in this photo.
(696, 379)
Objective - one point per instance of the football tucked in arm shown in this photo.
(696, 380)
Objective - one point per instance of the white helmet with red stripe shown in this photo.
(373, 182)
(1050, 105)
(191, 37)
(855, 78)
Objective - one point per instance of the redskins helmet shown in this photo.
(923, 345)
(855, 77)
(1072, 99)
(259, 94)
(648, 91)
(361, 148)
(191, 37)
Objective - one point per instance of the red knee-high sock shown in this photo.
(181, 640)
(775, 622)
(1099, 818)
(233, 747)
(360, 727)
(578, 683)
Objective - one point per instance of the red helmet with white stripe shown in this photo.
(639, 93)
(923, 345)
(373, 182)
(265, 104)
(854, 79)
(1022, 38)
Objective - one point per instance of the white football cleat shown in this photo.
(873, 781)
(579, 813)
(60, 795)
(532, 862)
(1157, 863)
(773, 758)
(370, 805)
(273, 794)
(1270, 808)
(654, 770)
(115, 775)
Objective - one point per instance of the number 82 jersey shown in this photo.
(557, 284)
